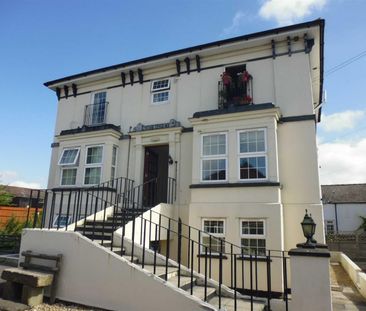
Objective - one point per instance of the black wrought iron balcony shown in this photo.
(96, 114)
(233, 95)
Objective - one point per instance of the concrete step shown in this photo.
(199, 292)
(185, 282)
(242, 305)
(160, 271)
(90, 228)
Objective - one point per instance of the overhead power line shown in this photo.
(345, 63)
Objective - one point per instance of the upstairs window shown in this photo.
(95, 114)
(160, 91)
(252, 154)
(214, 157)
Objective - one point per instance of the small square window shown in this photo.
(159, 85)
(215, 237)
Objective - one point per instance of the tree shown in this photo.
(6, 198)
(363, 225)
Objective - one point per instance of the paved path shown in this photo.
(344, 294)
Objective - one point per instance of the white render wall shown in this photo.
(348, 215)
(284, 81)
(94, 276)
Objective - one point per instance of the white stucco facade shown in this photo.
(285, 67)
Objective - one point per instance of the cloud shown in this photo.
(12, 178)
(5, 176)
(342, 162)
(289, 11)
(236, 22)
(24, 184)
(341, 121)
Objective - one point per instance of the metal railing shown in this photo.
(96, 114)
(66, 206)
(245, 271)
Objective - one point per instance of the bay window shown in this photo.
(252, 154)
(214, 157)
(93, 165)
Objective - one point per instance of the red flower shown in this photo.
(226, 78)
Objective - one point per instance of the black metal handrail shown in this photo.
(244, 269)
(74, 204)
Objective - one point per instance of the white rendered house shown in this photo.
(222, 133)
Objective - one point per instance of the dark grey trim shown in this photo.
(236, 185)
(86, 129)
(317, 22)
(213, 256)
(233, 109)
(54, 145)
(247, 258)
(310, 252)
(196, 70)
(187, 129)
(309, 117)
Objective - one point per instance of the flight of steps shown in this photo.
(102, 230)
(227, 303)
(102, 233)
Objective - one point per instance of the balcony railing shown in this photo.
(96, 114)
(235, 93)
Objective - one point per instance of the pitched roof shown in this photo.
(346, 193)
(21, 192)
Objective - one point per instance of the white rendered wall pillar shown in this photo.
(310, 279)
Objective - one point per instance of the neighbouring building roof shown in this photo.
(20, 192)
(347, 193)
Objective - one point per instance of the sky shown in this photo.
(42, 40)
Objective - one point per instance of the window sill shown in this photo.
(236, 185)
(214, 256)
(259, 258)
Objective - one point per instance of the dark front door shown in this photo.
(155, 175)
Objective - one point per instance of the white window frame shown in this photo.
(76, 157)
(214, 157)
(92, 102)
(55, 220)
(252, 154)
(253, 236)
(62, 172)
(160, 90)
(217, 235)
(93, 165)
(115, 164)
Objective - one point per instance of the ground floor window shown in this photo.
(216, 233)
(253, 241)
(61, 221)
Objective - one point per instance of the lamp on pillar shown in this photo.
(308, 228)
